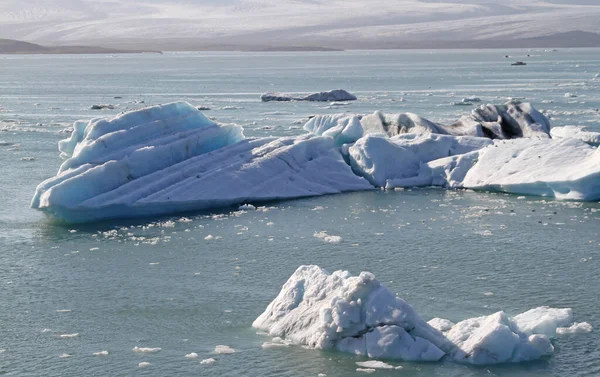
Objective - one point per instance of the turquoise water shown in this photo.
(159, 283)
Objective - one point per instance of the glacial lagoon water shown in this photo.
(164, 283)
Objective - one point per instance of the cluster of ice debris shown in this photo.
(172, 158)
(357, 314)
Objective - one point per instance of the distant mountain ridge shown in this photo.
(572, 39)
(11, 46)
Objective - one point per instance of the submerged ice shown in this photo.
(358, 315)
(171, 158)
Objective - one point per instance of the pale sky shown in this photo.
(67, 21)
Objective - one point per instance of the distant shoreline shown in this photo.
(560, 40)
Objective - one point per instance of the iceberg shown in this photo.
(509, 121)
(358, 315)
(172, 158)
(329, 96)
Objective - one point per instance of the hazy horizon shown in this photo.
(292, 21)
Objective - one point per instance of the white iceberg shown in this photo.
(563, 169)
(350, 313)
(356, 314)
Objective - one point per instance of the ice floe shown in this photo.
(144, 364)
(332, 95)
(358, 315)
(223, 350)
(576, 328)
(68, 336)
(171, 158)
(192, 355)
(137, 349)
(101, 353)
(209, 361)
(375, 364)
(327, 237)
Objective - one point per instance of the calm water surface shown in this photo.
(158, 283)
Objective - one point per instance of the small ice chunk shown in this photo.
(64, 355)
(224, 350)
(374, 364)
(544, 320)
(210, 237)
(276, 342)
(209, 361)
(144, 364)
(2, 350)
(146, 349)
(327, 238)
(570, 95)
(268, 345)
(63, 310)
(366, 370)
(46, 330)
(576, 328)
(101, 353)
(247, 207)
(495, 339)
(67, 336)
(192, 355)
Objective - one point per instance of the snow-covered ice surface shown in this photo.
(576, 132)
(358, 315)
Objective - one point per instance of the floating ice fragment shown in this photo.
(144, 364)
(101, 353)
(327, 238)
(576, 328)
(366, 370)
(67, 336)
(210, 237)
(223, 350)
(63, 310)
(146, 349)
(192, 355)
(544, 320)
(374, 364)
(64, 355)
(209, 361)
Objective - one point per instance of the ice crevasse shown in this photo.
(358, 315)
(171, 158)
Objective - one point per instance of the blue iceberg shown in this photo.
(171, 158)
